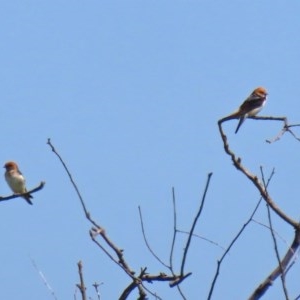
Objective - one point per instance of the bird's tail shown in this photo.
(233, 115)
(28, 198)
(241, 121)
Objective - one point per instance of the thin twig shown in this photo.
(277, 254)
(70, 177)
(98, 229)
(274, 241)
(174, 241)
(202, 238)
(120, 262)
(146, 241)
(219, 263)
(275, 232)
(96, 286)
(174, 230)
(45, 281)
(298, 297)
(194, 225)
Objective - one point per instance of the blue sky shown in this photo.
(130, 93)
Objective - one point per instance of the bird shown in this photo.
(250, 107)
(16, 180)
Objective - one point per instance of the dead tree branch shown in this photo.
(45, 281)
(263, 287)
(285, 128)
(194, 225)
(116, 254)
(81, 285)
(261, 187)
(96, 287)
(275, 241)
(237, 162)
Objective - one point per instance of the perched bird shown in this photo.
(251, 106)
(16, 180)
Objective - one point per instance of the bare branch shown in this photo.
(81, 285)
(34, 190)
(174, 230)
(137, 282)
(219, 262)
(174, 241)
(194, 224)
(202, 238)
(263, 287)
(119, 252)
(70, 177)
(254, 179)
(277, 255)
(146, 241)
(298, 297)
(234, 240)
(286, 127)
(268, 227)
(43, 279)
(274, 241)
(96, 286)
(262, 190)
(97, 230)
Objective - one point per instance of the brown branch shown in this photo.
(194, 225)
(144, 277)
(97, 230)
(277, 255)
(70, 177)
(286, 127)
(254, 179)
(275, 241)
(81, 285)
(219, 263)
(119, 252)
(261, 188)
(34, 190)
(137, 282)
(263, 287)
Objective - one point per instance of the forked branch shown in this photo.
(116, 254)
(261, 187)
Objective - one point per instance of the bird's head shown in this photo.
(10, 165)
(261, 92)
